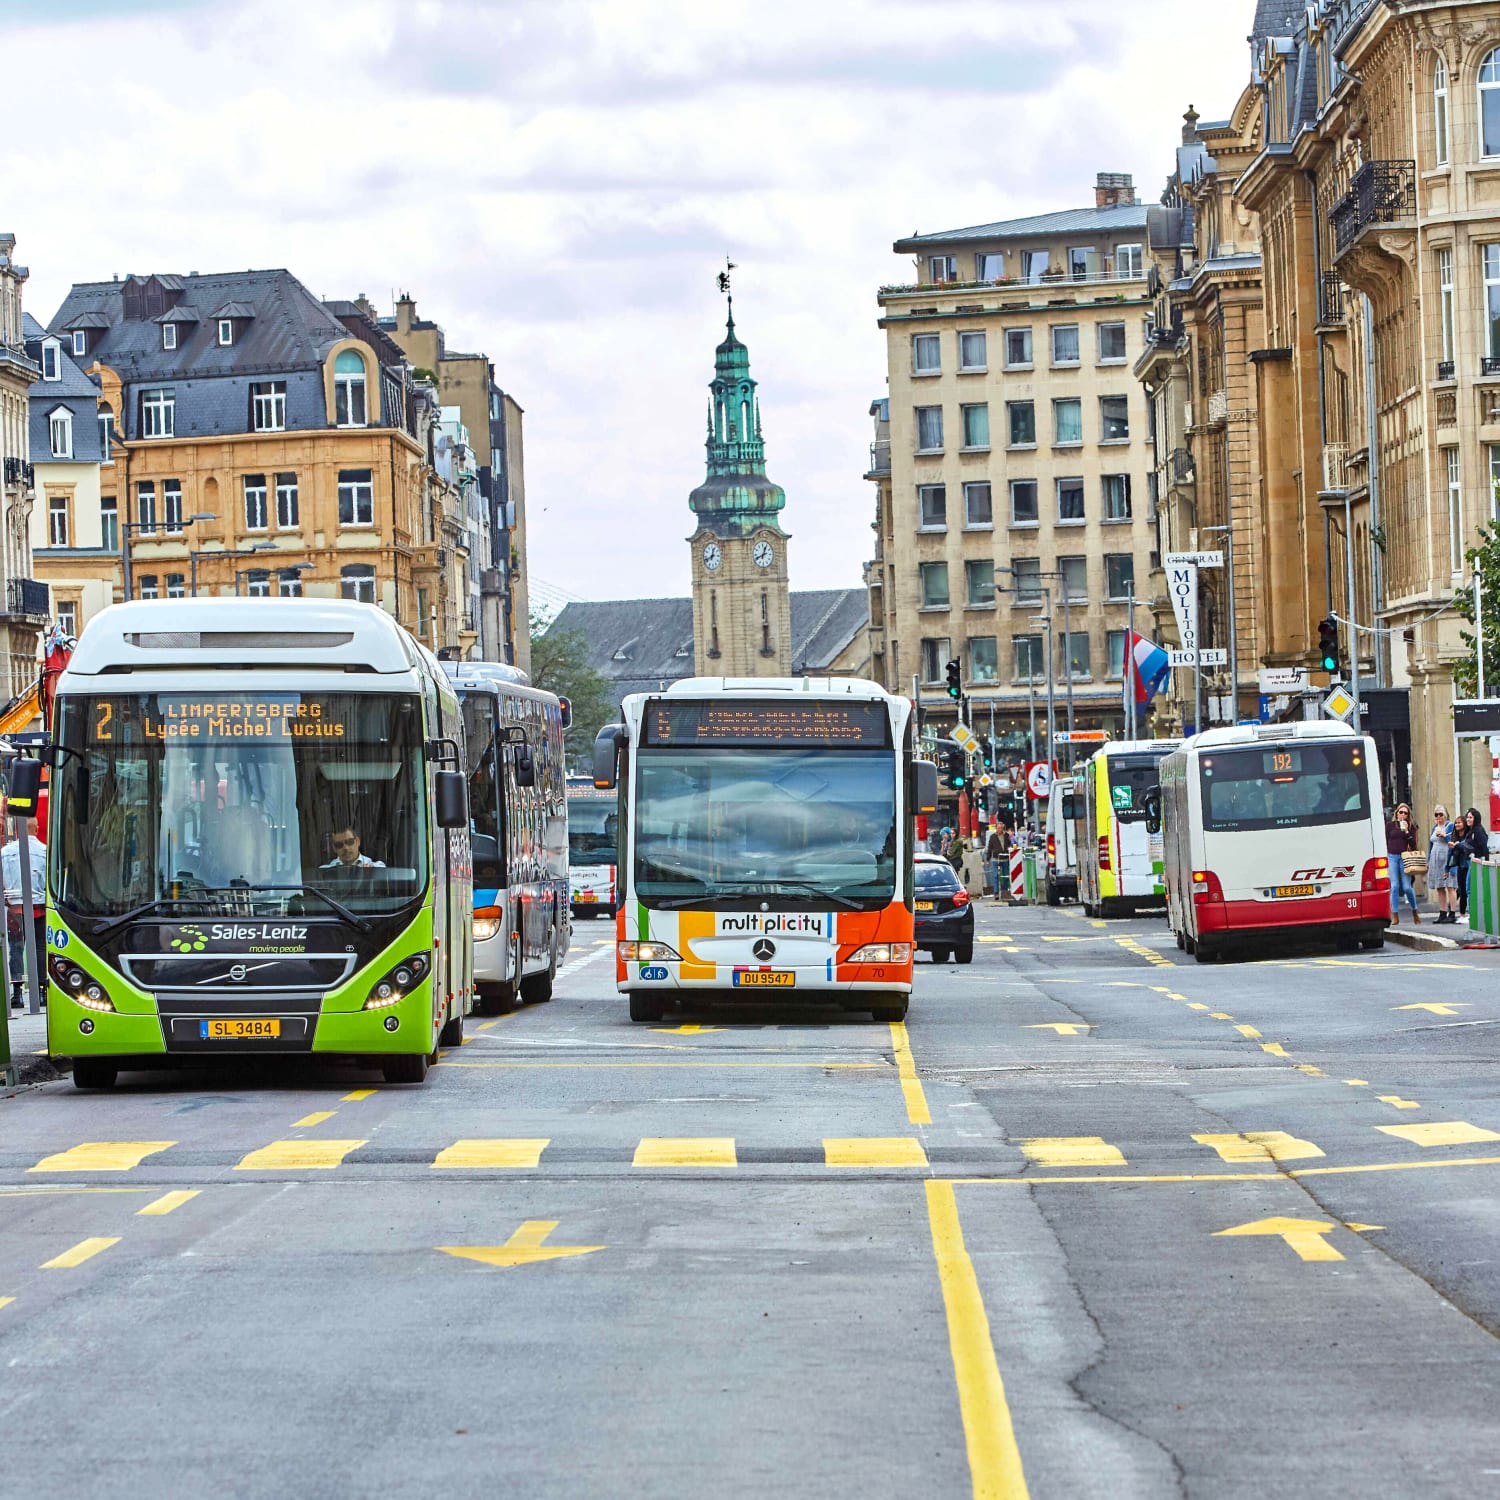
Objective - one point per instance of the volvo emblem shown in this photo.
(237, 973)
(764, 950)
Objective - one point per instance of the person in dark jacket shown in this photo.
(1470, 842)
(1400, 837)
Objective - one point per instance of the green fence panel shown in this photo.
(1484, 898)
(1033, 865)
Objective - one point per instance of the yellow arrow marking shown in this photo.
(523, 1248)
(688, 1030)
(101, 1156)
(1259, 1145)
(1249, 1031)
(1305, 1236)
(1062, 1028)
(1437, 1007)
(1440, 1133)
(1399, 1102)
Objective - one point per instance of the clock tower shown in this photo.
(742, 613)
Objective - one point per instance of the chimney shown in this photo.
(406, 312)
(1114, 190)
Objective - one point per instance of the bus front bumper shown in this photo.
(806, 982)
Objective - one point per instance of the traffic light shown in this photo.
(986, 752)
(1328, 644)
(955, 687)
(957, 766)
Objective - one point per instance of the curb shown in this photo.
(1422, 942)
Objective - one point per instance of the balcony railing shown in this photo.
(28, 598)
(1384, 192)
(1445, 369)
(1489, 365)
(1489, 406)
(1181, 463)
(18, 471)
(1331, 298)
(1164, 335)
(1447, 408)
(1335, 466)
(880, 456)
(1059, 276)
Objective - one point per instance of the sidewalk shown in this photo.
(28, 1047)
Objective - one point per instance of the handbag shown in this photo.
(1413, 862)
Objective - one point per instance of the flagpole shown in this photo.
(1130, 662)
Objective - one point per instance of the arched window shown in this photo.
(1440, 110)
(1489, 105)
(349, 390)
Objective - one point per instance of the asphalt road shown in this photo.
(1097, 1221)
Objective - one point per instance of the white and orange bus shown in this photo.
(766, 832)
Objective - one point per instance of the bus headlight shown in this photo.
(83, 989)
(394, 987)
(648, 953)
(881, 953)
(487, 920)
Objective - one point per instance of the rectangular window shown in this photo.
(356, 498)
(942, 267)
(976, 425)
(1070, 500)
(145, 506)
(929, 429)
(258, 583)
(1489, 108)
(289, 584)
(932, 506)
(978, 510)
(1075, 579)
(51, 362)
(57, 521)
(1030, 659)
(286, 502)
(268, 406)
(109, 524)
(1445, 301)
(1494, 505)
(176, 586)
(60, 433)
(973, 351)
(357, 581)
(226, 332)
(1017, 348)
(169, 335)
(1065, 344)
(1111, 343)
(1022, 416)
(67, 616)
(1128, 262)
(1024, 510)
(935, 658)
(256, 518)
(1083, 261)
(1455, 511)
(80, 343)
(1114, 416)
(1067, 422)
(149, 588)
(1119, 575)
(979, 581)
(1026, 575)
(1114, 644)
(988, 266)
(1034, 265)
(984, 665)
(171, 504)
(926, 354)
(106, 437)
(1492, 295)
(934, 585)
(158, 413)
(1073, 654)
(1116, 497)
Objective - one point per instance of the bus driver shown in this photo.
(346, 852)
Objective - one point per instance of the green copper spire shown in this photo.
(736, 496)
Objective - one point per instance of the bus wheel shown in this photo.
(88, 1074)
(643, 1008)
(452, 1034)
(538, 988)
(1053, 898)
(406, 1069)
(1370, 944)
(890, 1011)
(1181, 941)
(493, 999)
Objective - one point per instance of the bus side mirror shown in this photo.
(607, 746)
(927, 789)
(1153, 810)
(23, 785)
(525, 766)
(451, 796)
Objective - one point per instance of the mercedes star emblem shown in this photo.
(764, 949)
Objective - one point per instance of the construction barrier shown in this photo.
(1017, 874)
(1484, 897)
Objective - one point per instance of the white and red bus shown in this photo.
(1274, 831)
(766, 837)
(592, 848)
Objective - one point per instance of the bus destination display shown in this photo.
(159, 718)
(856, 724)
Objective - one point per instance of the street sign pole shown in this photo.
(1353, 626)
(1197, 664)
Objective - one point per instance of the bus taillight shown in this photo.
(1206, 886)
(1104, 863)
(1377, 874)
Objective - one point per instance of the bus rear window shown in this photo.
(1131, 778)
(1281, 786)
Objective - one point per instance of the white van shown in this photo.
(1062, 841)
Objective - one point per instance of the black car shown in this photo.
(945, 915)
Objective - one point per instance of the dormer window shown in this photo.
(80, 343)
(51, 360)
(350, 406)
(226, 332)
(60, 432)
(169, 335)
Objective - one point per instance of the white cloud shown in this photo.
(557, 182)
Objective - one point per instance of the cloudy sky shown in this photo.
(558, 181)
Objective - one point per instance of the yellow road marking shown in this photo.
(65, 1192)
(995, 1469)
(1249, 1031)
(101, 1156)
(702, 1151)
(1310, 1070)
(484, 1025)
(1305, 1236)
(359, 1094)
(1173, 995)
(168, 1201)
(282, 1156)
(524, 1248)
(1397, 1101)
(1221, 1015)
(1274, 1048)
(1358, 1083)
(690, 1029)
(696, 1063)
(1072, 1151)
(1440, 1133)
(1259, 1145)
(498, 1153)
(315, 1118)
(911, 1086)
(1062, 1028)
(1196, 1005)
(82, 1251)
(6, 1301)
(874, 1151)
(1437, 1007)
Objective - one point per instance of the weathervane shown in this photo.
(729, 266)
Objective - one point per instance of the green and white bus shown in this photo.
(259, 840)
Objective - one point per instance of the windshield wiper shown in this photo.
(774, 888)
(305, 890)
(140, 911)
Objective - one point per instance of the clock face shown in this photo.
(762, 554)
(711, 556)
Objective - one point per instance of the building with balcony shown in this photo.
(1017, 438)
(879, 566)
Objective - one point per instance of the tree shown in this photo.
(560, 664)
(1485, 561)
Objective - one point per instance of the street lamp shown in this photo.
(150, 527)
(225, 552)
(1046, 617)
(281, 573)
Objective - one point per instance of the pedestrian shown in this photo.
(995, 852)
(10, 877)
(1442, 880)
(1472, 843)
(1401, 840)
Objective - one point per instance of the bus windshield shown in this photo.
(255, 803)
(592, 828)
(753, 822)
(1131, 779)
(1284, 786)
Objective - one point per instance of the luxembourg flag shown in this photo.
(1149, 668)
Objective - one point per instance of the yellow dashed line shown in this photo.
(315, 1118)
(168, 1201)
(1249, 1031)
(359, 1094)
(1274, 1048)
(82, 1251)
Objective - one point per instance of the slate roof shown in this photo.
(74, 389)
(1275, 18)
(636, 645)
(1068, 221)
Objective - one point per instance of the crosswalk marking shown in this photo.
(496, 1153)
(167, 1202)
(702, 1151)
(315, 1118)
(874, 1151)
(1259, 1145)
(101, 1156)
(1440, 1133)
(1072, 1151)
(282, 1156)
(82, 1251)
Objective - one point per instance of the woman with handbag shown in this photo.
(1405, 860)
(1442, 879)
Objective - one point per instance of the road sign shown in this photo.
(1283, 679)
(1038, 779)
(960, 735)
(1338, 704)
(1215, 656)
(986, 781)
(1194, 559)
(1081, 736)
